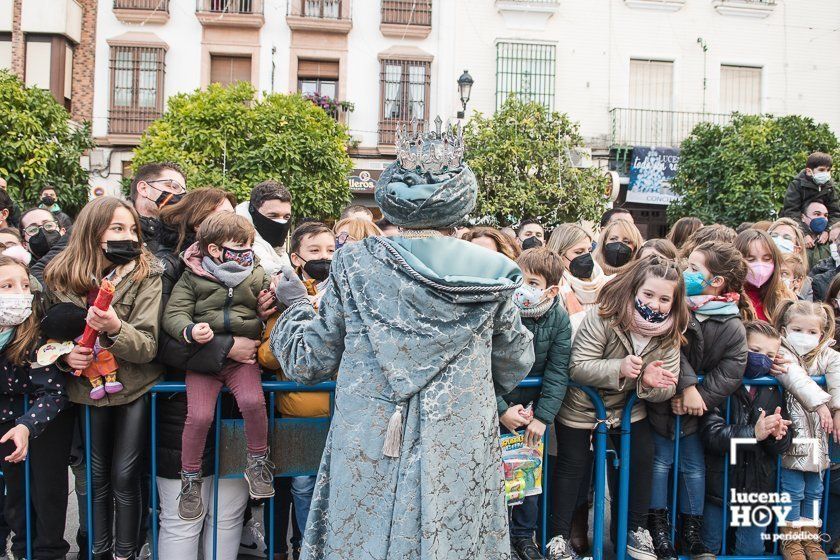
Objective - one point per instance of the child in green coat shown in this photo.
(218, 293)
(542, 271)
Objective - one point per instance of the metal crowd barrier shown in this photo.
(600, 433)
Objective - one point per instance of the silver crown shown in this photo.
(434, 151)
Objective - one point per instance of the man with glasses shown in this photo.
(154, 186)
(43, 236)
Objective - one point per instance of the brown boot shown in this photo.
(791, 549)
(579, 537)
(813, 550)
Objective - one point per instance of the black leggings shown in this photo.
(117, 460)
(574, 458)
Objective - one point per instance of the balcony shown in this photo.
(142, 11)
(651, 127)
(759, 9)
(230, 13)
(406, 19)
(527, 14)
(327, 16)
(658, 5)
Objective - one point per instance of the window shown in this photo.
(330, 9)
(740, 89)
(651, 84)
(230, 6)
(229, 69)
(48, 64)
(407, 12)
(318, 76)
(162, 5)
(136, 88)
(6, 51)
(526, 70)
(404, 90)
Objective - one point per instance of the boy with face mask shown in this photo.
(813, 184)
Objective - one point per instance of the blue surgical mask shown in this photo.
(818, 225)
(649, 314)
(695, 282)
(784, 245)
(758, 365)
(821, 177)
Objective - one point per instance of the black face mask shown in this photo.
(317, 269)
(47, 201)
(41, 243)
(582, 266)
(617, 254)
(530, 243)
(273, 232)
(122, 252)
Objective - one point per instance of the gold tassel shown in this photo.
(393, 437)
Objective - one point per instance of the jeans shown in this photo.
(202, 392)
(524, 518)
(805, 489)
(692, 473)
(833, 526)
(302, 489)
(747, 539)
(180, 539)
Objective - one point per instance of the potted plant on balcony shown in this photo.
(331, 106)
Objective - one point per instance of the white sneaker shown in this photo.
(640, 545)
(558, 549)
(145, 552)
(252, 542)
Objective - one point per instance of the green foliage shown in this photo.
(223, 137)
(39, 146)
(740, 172)
(520, 157)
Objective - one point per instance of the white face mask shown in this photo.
(802, 342)
(821, 177)
(14, 309)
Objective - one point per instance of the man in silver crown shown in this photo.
(421, 332)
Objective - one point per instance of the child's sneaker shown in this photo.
(525, 549)
(640, 545)
(112, 387)
(190, 506)
(98, 392)
(260, 477)
(559, 548)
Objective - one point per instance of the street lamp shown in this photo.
(465, 84)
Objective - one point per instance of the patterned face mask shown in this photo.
(14, 309)
(649, 314)
(242, 257)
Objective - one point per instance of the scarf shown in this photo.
(724, 305)
(585, 292)
(648, 329)
(538, 310)
(6, 336)
(229, 273)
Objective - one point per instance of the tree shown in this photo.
(520, 156)
(739, 172)
(39, 146)
(223, 137)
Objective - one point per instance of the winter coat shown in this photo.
(423, 330)
(198, 297)
(271, 259)
(802, 191)
(44, 387)
(715, 348)
(755, 466)
(820, 251)
(804, 396)
(597, 352)
(821, 276)
(137, 304)
(552, 349)
(177, 353)
(151, 230)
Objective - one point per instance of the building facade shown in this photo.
(633, 73)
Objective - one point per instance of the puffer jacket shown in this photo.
(596, 361)
(552, 349)
(804, 397)
(755, 467)
(802, 191)
(137, 304)
(198, 297)
(821, 276)
(715, 348)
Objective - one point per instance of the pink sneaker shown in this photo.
(113, 387)
(97, 392)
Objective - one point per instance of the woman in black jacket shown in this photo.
(715, 346)
(179, 538)
(754, 412)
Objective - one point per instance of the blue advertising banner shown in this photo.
(651, 173)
